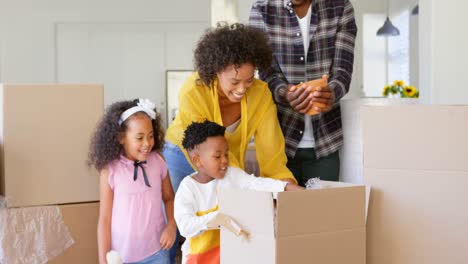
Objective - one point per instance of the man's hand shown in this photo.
(299, 97)
(324, 97)
(312, 97)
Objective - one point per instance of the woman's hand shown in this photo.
(168, 236)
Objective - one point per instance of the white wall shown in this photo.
(127, 45)
(414, 50)
(443, 59)
(397, 6)
(243, 10)
(223, 11)
(374, 55)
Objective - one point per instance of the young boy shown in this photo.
(196, 203)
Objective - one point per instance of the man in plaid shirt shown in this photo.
(310, 38)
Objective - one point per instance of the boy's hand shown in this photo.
(229, 223)
(293, 187)
(289, 180)
(168, 236)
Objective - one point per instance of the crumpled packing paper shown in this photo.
(32, 235)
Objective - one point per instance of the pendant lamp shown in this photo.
(415, 10)
(388, 29)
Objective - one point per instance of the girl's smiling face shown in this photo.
(138, 138)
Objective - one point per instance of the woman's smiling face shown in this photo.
(233, 81)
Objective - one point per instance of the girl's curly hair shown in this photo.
(227, 45)
(105, 147)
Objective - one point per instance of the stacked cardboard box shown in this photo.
(81, 220)
(45, 132)
(351, 157)
(314, 226)
(44, 138)
(416, 160)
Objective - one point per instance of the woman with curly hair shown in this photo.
(224, 90)
(125, 149)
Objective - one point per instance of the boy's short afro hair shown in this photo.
(196, 133)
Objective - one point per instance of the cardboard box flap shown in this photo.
(308, 212)
(253, 210)
(395, 135)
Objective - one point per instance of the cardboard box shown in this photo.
(416, 159)
(44, 138)
(351, 153)
(314, 226)
(81, 220)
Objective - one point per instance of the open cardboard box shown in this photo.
(325, 225)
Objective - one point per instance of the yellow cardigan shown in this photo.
(197, 102)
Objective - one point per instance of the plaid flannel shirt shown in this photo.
(331, 51)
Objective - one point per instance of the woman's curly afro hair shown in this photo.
(227, 45)
(105, 147)
(196, 133)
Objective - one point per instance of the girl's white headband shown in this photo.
(143, 105)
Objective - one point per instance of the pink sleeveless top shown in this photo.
(137, 216)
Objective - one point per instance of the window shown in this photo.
(398, 50)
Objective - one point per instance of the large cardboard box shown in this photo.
(81, 220)
(315, 226)
(351, 155)
(44, 138)
(416, 159)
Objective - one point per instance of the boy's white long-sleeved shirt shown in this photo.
(196, 204)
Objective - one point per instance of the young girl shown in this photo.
(133, 184)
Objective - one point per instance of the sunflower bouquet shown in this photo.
(399, 89)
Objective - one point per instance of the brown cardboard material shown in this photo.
(351, 153)
(81, 220)
(417, 216)
(415, 137)
(340, 209)
(416, 159)
(345, 246)
(320, 225)
(44, 135)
